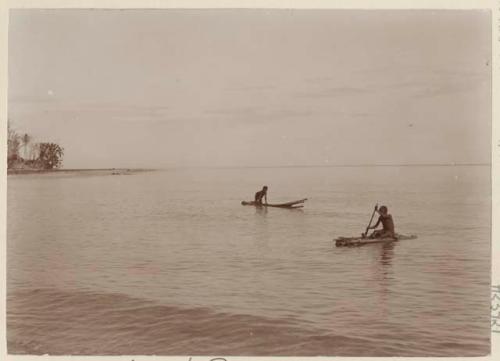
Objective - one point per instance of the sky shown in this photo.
(170, 88)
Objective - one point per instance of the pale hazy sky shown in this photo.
(159, 88)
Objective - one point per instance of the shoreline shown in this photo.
(118, 171)
(111, 171)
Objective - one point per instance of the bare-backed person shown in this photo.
(387, 230)
(262, 194)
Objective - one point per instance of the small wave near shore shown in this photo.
(50, 321)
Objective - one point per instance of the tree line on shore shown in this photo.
(24, 153)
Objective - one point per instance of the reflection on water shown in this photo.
(261, 210)
(386, 255)
(157, 260)
(384, 275)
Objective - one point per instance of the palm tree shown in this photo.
(26, 139)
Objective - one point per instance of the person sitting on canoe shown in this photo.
(261, 194)
(387, 223)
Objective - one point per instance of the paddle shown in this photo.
(371, 219)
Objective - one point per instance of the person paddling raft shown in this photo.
(387, 223)
(260, 195)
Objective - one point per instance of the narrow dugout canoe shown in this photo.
(292, 204)
(359, 241)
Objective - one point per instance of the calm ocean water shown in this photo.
(169, 263)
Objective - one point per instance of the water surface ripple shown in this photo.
(169, 263)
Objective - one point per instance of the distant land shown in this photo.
(111, 171)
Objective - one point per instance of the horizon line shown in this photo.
(286, 166)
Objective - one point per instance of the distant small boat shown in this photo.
(359, 241)
(290, 205)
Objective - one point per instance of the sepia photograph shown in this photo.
(249, 182)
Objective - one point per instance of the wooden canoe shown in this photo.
(292, 204)
(360, 241)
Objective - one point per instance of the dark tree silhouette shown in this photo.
(41, 155)
(13, 142)
(13, 145)
(50, 155)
